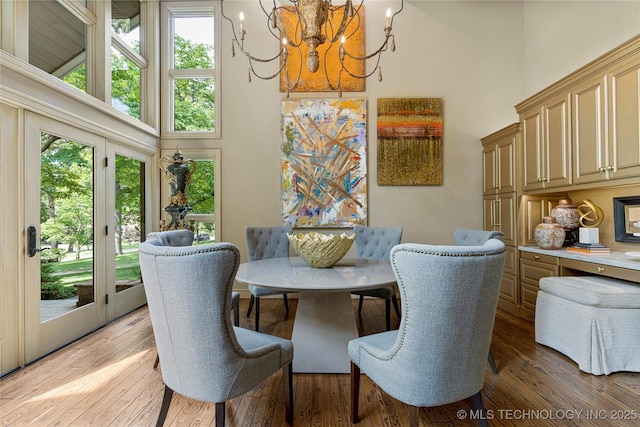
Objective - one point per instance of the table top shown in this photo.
(295, 274)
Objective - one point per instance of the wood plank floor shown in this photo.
(106, 379)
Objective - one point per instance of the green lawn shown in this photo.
(71, 270)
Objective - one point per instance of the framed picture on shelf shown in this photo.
(626, 214)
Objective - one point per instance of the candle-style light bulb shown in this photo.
(343, 39)
(241, 22)
(284, 41)
(388, 17)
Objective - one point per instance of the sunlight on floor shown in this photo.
(92, 381)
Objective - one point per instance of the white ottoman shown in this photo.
(591, 319)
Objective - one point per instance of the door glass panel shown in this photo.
(130, 221)
(66, 224)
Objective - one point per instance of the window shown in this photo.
(190, 72)
(203, 193)
(126, 60)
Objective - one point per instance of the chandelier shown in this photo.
(309, 24)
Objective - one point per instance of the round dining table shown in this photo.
(325, 321)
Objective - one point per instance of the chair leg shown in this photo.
(166, 401)
(155, 364)
(360, 303)
(257, 313)
(286, 303)
(288, 392)
(220, 414)
(414, 416)
(387, 312)
(394, 299)
(251, 301)
(355, 392)
(492, 362)
(476, 400)
(236, 315)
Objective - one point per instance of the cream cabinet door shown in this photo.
(499, 160)
(506, 161)
(623, 156)
(489, 169)
(532, 150)
(589, 132)
(556, 155)
(547, 145)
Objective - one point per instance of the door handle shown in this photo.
(31, 241)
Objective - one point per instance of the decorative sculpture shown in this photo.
(178, 173)
(590, 215)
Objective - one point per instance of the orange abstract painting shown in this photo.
(328, 53)
(410, 144)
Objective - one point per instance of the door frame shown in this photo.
(43, 338)
(127, 300)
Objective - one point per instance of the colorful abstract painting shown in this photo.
(410, 145)
(324, 162)
(327, 52)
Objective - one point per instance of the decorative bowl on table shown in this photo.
(321, 250)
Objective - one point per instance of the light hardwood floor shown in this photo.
(106, 379)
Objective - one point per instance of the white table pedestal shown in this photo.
(324, 324)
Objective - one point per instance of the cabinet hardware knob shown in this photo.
(602, 169)
(536, 257)
(599, 269)
(609, 168)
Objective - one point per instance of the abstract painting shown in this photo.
(327, 52)
(324, 162)
(410, 145)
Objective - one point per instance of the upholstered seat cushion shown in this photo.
(259, 291)
(592, 320)
(384, 292)
(594, 291)
(259, 343)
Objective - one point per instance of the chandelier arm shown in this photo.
(254, 58)
(326, 73)
(266, 77)
(344, 23)
(366, 75)
(382, 48)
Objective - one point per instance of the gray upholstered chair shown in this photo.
(204, 356)
(471, 237)
(439, 353)
(185, 237)
(263, 243)
(376, 242)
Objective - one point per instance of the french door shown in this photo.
(84, 216)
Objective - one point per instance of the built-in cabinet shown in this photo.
(499, 158)
(584, 131)
(534, 267)
(547, 144)
(606, 126)
(580, 133)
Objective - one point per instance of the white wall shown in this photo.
(482, 57)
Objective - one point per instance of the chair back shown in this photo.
(267, 242)
(471, 237)
(181, 237)
(200, 354)
(376, 242)
(449, 299)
